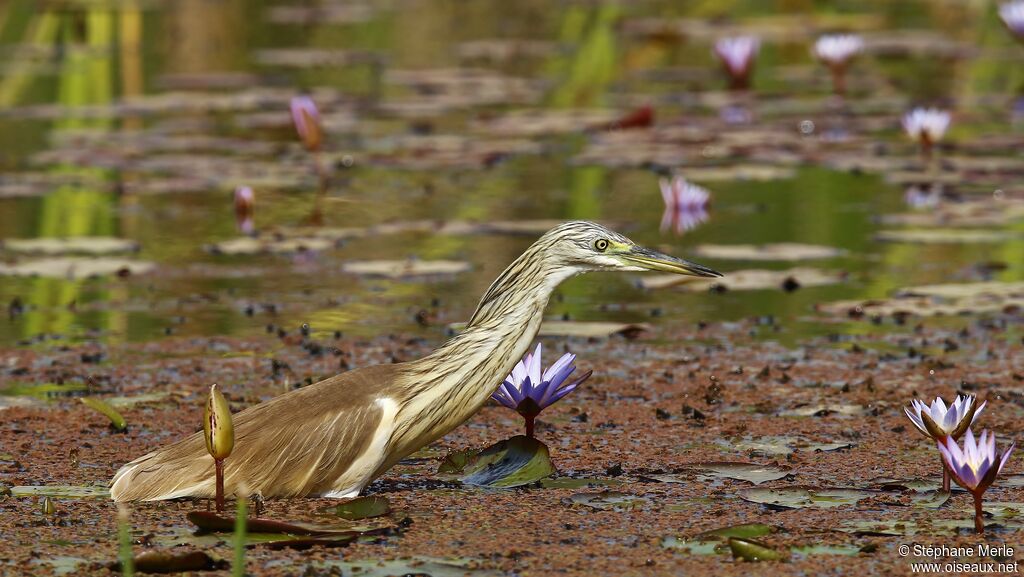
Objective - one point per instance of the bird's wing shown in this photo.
(304, 442)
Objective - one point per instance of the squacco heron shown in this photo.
(334, 437)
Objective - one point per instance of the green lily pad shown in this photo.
(64, 491)
(930, 499)
(513, 462)
(95, 245)
(456, 461)
(608, 500)
(803, 497)
(745, 531)
(363, 508)
(898, 528)
(167, 562)
(419, 565)
(76, 267)
(818, 549)
(714, 541)
(1001, 509)
(571, 483)
(116, 420)
(280, 534)
(750, 472)
(751, 550)
(42, 391)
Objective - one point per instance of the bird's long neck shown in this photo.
(449, 385)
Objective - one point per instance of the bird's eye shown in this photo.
(601, 245)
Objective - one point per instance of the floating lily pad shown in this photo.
(819, 549)
(714, 541)
(591, 330)
(95, 245)
(750, 472)
(405, 268)
(786, 251)
(945, 236)
(541, 122)
(893, 527)
(803, 497)
(419, 565)
(176, 562)
(577, 483)
(930, 499)
(824, 410)
(363, 508)
(752, 279)
(76, 267)
(44, 390)
(751, 550)
(943, 299)
(280, 534)
(520, 460)
(610, 500)
(270, 245)
(117, 421)
(456, 461)
(62, 491)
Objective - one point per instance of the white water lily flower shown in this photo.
(837, 49)
(1012, 14)
(927, 125)
(939, 421)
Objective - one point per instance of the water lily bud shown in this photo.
(306, 118)
(217, 427)
(48, 508)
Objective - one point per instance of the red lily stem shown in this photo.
(945, 474)
(529, 425)
(979, 514)
(926, 149)
(320, 172)
(219, 463)
(839, 80)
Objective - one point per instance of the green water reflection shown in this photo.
(84, 55)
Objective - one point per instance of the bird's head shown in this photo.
(588, 246)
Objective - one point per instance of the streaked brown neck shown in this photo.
(449, 385)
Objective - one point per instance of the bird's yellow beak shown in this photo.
(653, 260)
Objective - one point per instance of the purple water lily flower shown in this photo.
(939, 422)
(685, 205)
(529, 392)
(922, 197)
(306, 118)
(1012, 14)
(737, 55)
(975, 467)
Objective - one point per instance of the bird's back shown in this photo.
(301, 443)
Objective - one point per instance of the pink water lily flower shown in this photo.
(244, 199)
(306, 118)
(685, 205)
(737, 55)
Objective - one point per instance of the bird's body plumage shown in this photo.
(334, 437)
